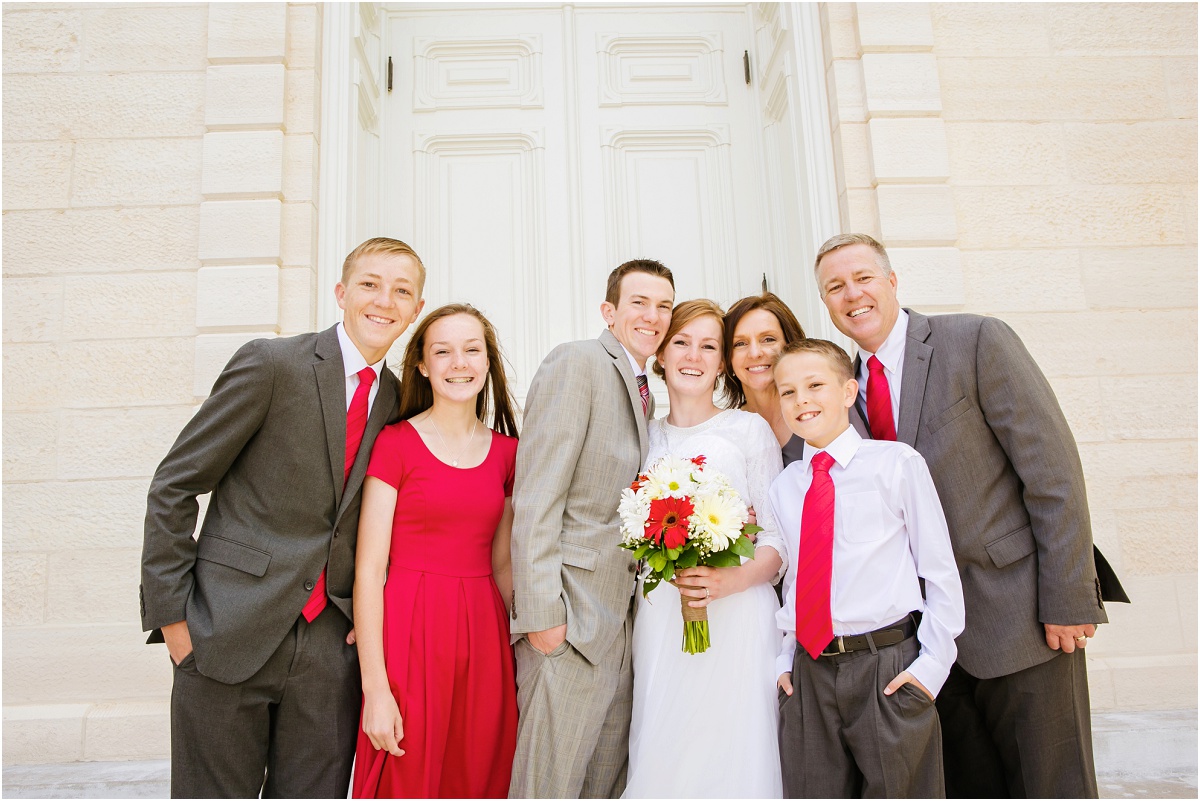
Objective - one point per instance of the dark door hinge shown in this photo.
(389, 73)
(745, 64)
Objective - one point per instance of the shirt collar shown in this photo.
(632, 361)
(891, 352)
(352, 358)
(842, 449)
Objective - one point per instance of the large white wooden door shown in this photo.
(526, 152)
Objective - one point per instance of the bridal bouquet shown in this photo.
(678, 514)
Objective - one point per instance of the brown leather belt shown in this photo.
(888, 635)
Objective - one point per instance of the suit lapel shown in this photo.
(622, 365)
(381, 411)
(331, 386)
(917, 355)
(858, 412)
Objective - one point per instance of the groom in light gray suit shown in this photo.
(583, 441)
(963, 390)
(256, 611)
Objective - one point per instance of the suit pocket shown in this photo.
(947, 416)
(579, 556)
(1011, 547)
(232, 554)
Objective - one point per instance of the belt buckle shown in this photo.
(841, 647)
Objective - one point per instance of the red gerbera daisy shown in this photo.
(667, 523)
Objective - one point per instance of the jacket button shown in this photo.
(308, 585)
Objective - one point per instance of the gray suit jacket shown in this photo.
(583, 440)
(269, 443)
(975, 404)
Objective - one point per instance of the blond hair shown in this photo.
(385, 246)
(837, 358)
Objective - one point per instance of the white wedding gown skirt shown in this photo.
(705, 725)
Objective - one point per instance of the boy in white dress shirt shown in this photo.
(863, 528)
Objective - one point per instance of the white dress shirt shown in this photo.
(891, 356)
(633, 362)
(888, 530)
(354, 361)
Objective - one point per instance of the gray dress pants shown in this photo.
(288, 731)
(841, 737)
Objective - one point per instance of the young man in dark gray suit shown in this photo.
(963, 390)
(256, 611)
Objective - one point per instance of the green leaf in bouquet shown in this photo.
(742, 546)
(689, 558)
(750, 529)
(726, 558)
(650, 583)
(672, 554)
(668, 572)
(657, 561)
(641, 550)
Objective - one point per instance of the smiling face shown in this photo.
(381, 296)
(691, 358)
(756, 340)
(814, 398)
(860, 298)
(640, 318)
(454, 358)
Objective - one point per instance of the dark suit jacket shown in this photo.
(975, 404)
(269, 443)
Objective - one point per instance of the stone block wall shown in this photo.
(1037, 162)
(160, 166)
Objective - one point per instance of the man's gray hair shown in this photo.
(843, 240)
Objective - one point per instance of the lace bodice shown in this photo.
(739, 444)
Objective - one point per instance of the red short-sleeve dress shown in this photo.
(445, 630)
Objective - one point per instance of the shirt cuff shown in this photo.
(787, 655)
(931, 673)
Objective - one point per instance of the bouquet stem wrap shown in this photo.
(695, 625)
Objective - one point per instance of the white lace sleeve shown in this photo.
(764, 461)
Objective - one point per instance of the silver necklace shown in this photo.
(454, 461)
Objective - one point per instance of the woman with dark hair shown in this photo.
(433, 571)
(757, 328)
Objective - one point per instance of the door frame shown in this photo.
(354, 79)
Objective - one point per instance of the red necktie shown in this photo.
(356, 424)
(814, 566)
(644, 391)
(879, 402)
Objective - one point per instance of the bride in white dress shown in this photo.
(704, 725)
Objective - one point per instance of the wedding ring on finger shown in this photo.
(707, 593)
(1081, 638)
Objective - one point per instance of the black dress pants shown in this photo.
(288, 731)
(1024, 735)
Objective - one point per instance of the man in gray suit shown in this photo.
(963, 390)
(256, 611)
(583, 441)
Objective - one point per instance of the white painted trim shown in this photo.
(813, 122)
(335, 204)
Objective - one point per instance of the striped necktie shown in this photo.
(356, 424)
(644, 391)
